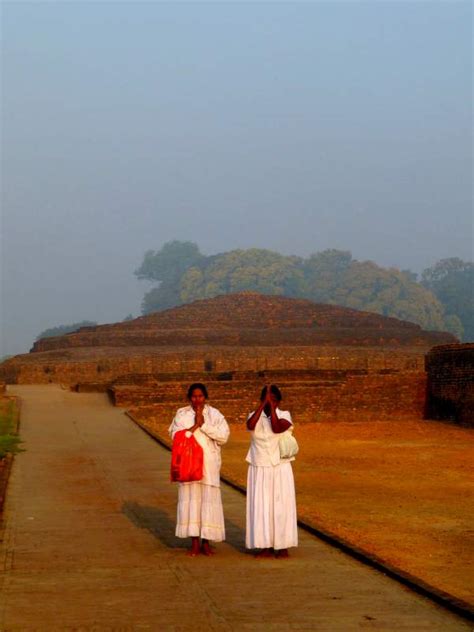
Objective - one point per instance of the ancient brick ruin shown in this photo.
(450, 388)
(249, 319)
(332, 363)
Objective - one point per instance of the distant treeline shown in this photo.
(442, 299)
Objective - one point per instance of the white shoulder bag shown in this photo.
(288, 444)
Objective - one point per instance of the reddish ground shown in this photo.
(399, 490)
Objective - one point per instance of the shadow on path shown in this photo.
(156, 521)
(235, 536)
(162, 527)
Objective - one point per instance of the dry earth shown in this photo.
(87, 543)
(399, 490)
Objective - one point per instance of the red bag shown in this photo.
(187, 458)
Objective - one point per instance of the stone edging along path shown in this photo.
(442, 598)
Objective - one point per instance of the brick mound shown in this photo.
(249, 319)
(333, 363)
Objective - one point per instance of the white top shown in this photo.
(264, 449)
(211, 435)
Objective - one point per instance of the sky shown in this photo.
(290, 126)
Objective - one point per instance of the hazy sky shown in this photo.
(290, 126)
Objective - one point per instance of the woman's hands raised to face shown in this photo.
(270, 402)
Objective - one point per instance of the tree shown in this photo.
(455, 326)
(323, 274)
(163, 297)
(331, 276)
(334, 277)
(452, 282)
(255, 270)
(170, 262)
(60, 330)
(166, 266)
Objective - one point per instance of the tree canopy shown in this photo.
(334, 277)
(452, 282)
(170, 262)
(257, 270)
(331, 276)
(166, 266)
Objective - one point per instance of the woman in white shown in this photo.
(200, 514)
(271, 502)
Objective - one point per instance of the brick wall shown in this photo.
(106, 365)
(333, 363)
(450, 388)
(345, 397)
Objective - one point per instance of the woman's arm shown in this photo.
(252, 420)
(278, 424)
(219, 430)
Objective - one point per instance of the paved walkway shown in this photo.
(88, 544)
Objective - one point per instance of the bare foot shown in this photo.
(264, 553)
(282, 554)
(206, 549)
(195, 549)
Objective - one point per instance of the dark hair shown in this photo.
(197, 385)
(273, 389)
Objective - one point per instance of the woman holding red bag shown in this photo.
(200, 515)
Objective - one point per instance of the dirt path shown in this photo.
(88, 544)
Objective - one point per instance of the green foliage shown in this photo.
(167, 266)
(9, 441)
(334, 277)
(9, 444)
(65, 329)
(164, 296)
(169, 263)
(255, 270)
(454, 326)
(443, 301)
(452, 282)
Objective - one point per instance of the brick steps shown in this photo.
(175, 392)
(369, 397)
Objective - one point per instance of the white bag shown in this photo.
(288, 444)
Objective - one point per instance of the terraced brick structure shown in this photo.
(332, 363)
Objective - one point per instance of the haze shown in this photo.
(290, 126)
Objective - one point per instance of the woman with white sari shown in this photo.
(200, 515)
(271, 502)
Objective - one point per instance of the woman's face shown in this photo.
(275, 401)
(197, 399)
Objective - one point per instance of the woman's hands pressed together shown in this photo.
(198, 416)
(268, 404)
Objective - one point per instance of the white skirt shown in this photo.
(271, 507)
(200, 512)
